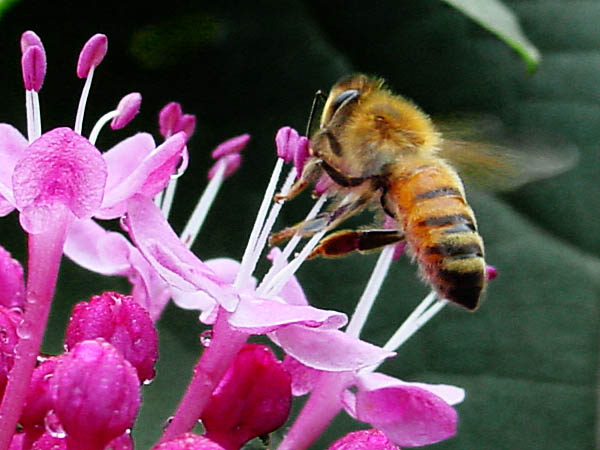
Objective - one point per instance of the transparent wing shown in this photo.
(487, 156)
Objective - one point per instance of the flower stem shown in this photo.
(322, 406)
(45, 252)
(215, 360)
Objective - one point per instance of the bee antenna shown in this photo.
(319, 95)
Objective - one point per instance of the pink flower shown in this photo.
(96, 394)
(121, 321)
(253, 399)
(12, 284)
(364, 440)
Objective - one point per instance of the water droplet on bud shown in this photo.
(206, 337)
(53, 426)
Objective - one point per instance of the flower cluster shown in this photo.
(63, 187)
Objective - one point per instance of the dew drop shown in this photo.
(206, 337)
(167, 422)
(148, 381)
(53, 426)
(24, 330)
(3, 336)
(123, 223)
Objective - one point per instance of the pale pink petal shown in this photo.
(149, 289)
(148, 177)
(60, 171)
(166, 253)
(260, 315)
(125, 157)
(408, 415)
(375, 380)
(303, 378)
(96, 249)
(371, 439)
(12, 147)
(329, 350)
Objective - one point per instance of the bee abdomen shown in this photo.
(441, 231)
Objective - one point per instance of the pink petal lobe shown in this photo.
(167, 254)
(303, 378)
(60, 170)
(371, 439)
(12, 148)
(261, 315)
(12, 283)
(328, 350)
(374, 380)
(98, 250)
(408, 415)
(148, 177)
(92, 54)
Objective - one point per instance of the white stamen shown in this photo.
(289, 248)
(169, 194)
(245, 269)
(34, 120)
(192, 228)
(419, 317)
(283, 276)
(158, 199)
(83, 100)
(369, 295)
(101, 122)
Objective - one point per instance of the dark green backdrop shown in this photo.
(528, 357)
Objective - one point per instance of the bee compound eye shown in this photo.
(345, 97)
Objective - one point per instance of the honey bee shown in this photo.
(380, 150)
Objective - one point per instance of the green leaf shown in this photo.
(495, 16)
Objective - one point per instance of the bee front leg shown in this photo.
(311, 173)
(343, 242)
(322, 221)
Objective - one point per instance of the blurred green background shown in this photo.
(528, 357)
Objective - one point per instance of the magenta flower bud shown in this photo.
(49, 442)
(491, 272)
(189, 441)
(168, 118)
(364, 440)
(33, 64)
(301, 154)
(232, 163)
(92, 54)
(12, 285)
(128, 107)
(9, 320)
(96, 394)
(123, 442)
(39, 398)
(30, 39)
(286, 141)
(253, 398)
(120, 320)
(233, 145)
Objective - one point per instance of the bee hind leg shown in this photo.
(343, 242)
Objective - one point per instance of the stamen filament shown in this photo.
(101, 122)
(83, 100)
(34, 121)
(192, 228)
(369, 295)
(283, 276)
(169, 194)
(419, 317)
(289, 248)
(245, 268)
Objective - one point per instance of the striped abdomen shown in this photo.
(441, 232)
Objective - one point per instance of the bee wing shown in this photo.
(485, 156)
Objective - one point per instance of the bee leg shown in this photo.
(343, 242)
(322, 221)
(311, 173)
